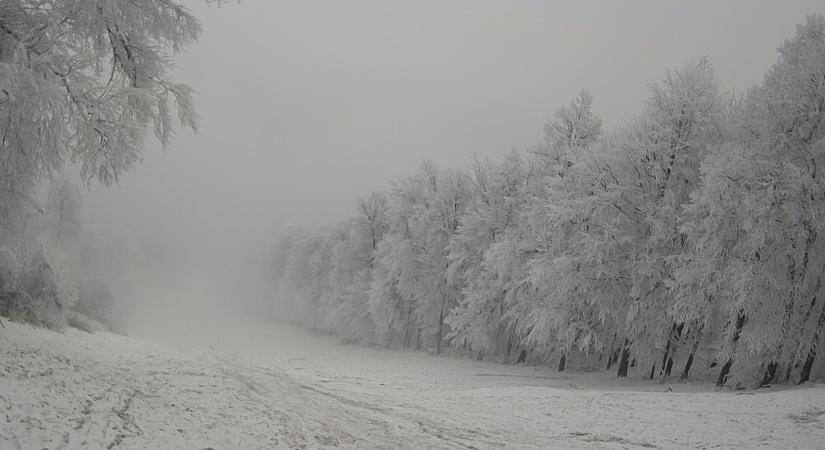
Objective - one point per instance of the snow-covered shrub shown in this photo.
(36, 289)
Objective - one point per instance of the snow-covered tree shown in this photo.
(755, 223)
(689, 240)
(352, 263)
(681, 121)
(479, 322)
(410, 282)
(82, 82)
(572, 129)
(558, 306)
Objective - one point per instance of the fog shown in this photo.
(420, 224)
(307, 106)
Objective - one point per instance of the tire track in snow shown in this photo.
(128, 427)
(334, 419)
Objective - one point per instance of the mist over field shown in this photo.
(371, 224)
(307, 107)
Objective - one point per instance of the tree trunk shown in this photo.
(510, 341)
(811, 355)
(562, 361)
(667, 358)
(723, 374)
(440, 332)
(499, 330)
(809, 361)
(770, 374)
(806, 369)
(652, 371)
(624, 361)
(686, 370)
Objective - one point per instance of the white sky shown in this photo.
(308, 105)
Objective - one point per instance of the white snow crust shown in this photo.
(278, 387)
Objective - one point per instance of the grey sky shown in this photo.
(308, 105)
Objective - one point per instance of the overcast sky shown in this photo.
(308, 105)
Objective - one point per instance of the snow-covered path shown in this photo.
(263, 386)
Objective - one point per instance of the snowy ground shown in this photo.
(259, 386)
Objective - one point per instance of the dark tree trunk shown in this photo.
(806, 368)
(809, 361)
(770, 373)
(723, 374)
(622, 372)
(562, 361)
(667, 358)
(686, 370)
(787, 375)
(652, 371)
(669, 366)
(689, 363)
(440, 334)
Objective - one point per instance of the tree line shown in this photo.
(686, 244)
